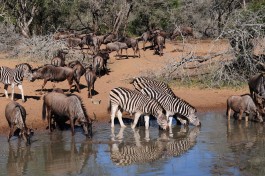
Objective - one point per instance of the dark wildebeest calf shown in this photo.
(59, 60)
(16, 118)
(56, 74)
(91, 77)
(66, 108)
(242, 104)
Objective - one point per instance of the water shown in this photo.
(217, 148)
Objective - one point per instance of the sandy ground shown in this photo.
(121, 71)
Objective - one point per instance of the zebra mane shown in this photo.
(30, 67)
(187, 103)
(82, 105)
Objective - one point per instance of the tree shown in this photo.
(23, 12)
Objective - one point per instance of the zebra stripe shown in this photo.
(173, 105)
(135, 102)
(14, 77)
(143, 82)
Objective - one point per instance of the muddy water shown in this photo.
(217, 148)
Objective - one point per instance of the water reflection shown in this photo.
(144, 150)
(18, 157)
(62, 156)
(247, 142)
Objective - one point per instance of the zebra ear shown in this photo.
(164, 111)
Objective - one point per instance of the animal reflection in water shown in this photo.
(18, 158)
(150, 150)
(66, 157)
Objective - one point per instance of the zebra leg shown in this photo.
(119, 114)
(136, 118)
(183, 122)
(13, 90)
(22, 92)
(114, 109)
(147, 136)
(120, 134)
(146, 122)
(170, 121)
(5, 88)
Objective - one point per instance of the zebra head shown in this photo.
(193, 119)
(26, 70)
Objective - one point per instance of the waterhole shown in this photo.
(218, 147)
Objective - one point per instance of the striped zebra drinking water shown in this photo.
(144, 82)
(173, 106)
(14, 77)
(134, 102)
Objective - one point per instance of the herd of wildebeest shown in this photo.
(150, 97)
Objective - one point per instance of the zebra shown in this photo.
(142, 82)
(134, 102)
(14, 77)
(173, 106)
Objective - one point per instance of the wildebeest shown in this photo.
(182, 31)
(61, 35)
(90, 77)
(59, 60)
(159, 42)
(131, 43)
(257, 89)
(93, 40)
(100, 61)
(257, 84)
(117, 46)
(78, 68)
(16, 118)
(242, 104)
(56, 74)
(108, 38)
(65, 108)
(145, 37)
(98, 65)
(74, 42)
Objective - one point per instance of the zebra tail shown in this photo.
(43, 111)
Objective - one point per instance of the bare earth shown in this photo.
(121, 71)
